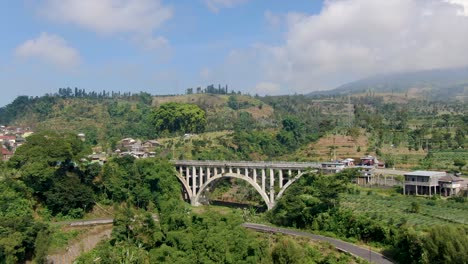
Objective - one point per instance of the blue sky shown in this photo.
(255, 46)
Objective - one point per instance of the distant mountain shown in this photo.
(437, 84)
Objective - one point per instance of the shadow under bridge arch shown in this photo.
(263, 194)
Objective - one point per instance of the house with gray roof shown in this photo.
(431, 183)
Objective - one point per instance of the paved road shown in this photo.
(364, 253)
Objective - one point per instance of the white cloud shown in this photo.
(109, 16)
(462, 4)
(352, 39)
(216, 5)
(138, 18)
(51, 48)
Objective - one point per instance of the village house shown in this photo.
(332, 167)
(431, 183)
(450, 185)
(371, 161)
(422, 182)
(150, 145)
(6, 154)
(366, 174)
(11, 138)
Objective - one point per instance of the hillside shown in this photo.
(109, 119)
(395, 127)
(440, 84)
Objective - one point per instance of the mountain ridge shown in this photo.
(440, 84)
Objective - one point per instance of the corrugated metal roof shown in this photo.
(426, 173)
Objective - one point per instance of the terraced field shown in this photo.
(397, 209)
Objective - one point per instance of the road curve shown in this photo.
(364, 253)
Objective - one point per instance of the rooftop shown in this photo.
(426, 173)
(450, 178)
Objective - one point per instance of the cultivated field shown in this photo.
(396, 209)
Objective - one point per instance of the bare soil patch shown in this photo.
(84, 243)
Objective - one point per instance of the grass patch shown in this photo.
(61, 238)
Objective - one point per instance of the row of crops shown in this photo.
(397, 209)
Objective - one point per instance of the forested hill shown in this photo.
(251, 127)
(109, 116)
(441, 84)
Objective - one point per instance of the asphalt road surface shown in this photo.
(364, 253)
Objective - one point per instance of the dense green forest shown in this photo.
(50, 178)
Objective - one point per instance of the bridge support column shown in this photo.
(208, 173)
(194, 181)
(272, 186)
(193, 202)
(255, 175)
(201, 176)
(263, 179)
(281, 179)
(187, 175)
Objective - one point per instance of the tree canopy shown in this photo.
(179, 117)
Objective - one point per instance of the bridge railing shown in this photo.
(256, 164)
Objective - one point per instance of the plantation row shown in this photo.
(398, 208)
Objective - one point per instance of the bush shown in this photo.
(415, 208)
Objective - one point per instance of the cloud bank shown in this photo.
(352, 39)
(109, 16)
(137, 18)
(50, 48)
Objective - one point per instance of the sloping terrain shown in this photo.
(438, 84)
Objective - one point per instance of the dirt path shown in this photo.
(85, 243)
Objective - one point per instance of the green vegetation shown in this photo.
(59, 239)
(176, 117)
(49, 177)
(19, 232)
(403, 131)
(49, 165)
(323, 204)
(398, 208)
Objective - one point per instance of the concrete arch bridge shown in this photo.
(265, 177)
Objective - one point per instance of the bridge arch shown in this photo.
(195, 199)
(291, 181)
(185, 185)
(265, 177)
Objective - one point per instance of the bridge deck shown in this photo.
(249, 164)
